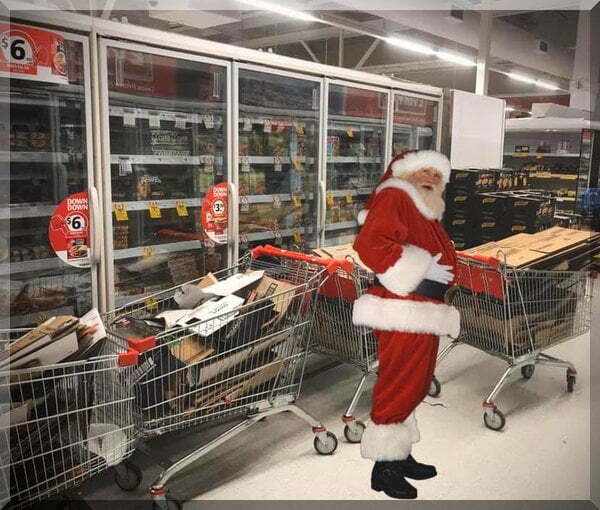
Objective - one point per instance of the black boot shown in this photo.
(388, 477)
(415, 470)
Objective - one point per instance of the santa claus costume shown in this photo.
(402, 241)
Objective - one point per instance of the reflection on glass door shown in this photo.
(415, 124)
(168, 147)
(356, 132)
(278, 160)
(43, 159)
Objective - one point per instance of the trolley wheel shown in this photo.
(354, 431)
(128, 476)
(571, 380)
(527, 371)
(167, 504)
(435, 388)
(496, 421)
(328, 446)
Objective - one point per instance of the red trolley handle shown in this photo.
(488, 261)
(331, 264)
(136, 346)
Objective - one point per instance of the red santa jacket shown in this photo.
(399, 237)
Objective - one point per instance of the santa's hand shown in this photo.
(438, 272)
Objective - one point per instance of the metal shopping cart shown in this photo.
(63, 423)
(516, 314)
(247, 362)
(334, 334)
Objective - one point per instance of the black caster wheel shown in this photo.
(128, 476)
(167, 504)
(435, 388)
(496, 421)
(527, 371)
(571, 380)
(354, 432)
(328, 446)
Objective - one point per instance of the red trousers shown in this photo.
(406, 366)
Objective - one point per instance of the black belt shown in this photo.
(427, 288)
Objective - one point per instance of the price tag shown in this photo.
(350, 132)
(245, 161)
(180, 121)
(147, 251)
(297, 164)
(277, 236)
(210, 245)
(120, 212)
(209, 164)
(244, 238)
(267, 126)
(297, 201)
(154, 210)
(348, 198)
(125, 167)
(151, 305)
(181, 209)
(244, 203)
(539, 156)
(154, 119)
(329, 199)
(209, 121)
(299, 128)
(247, 124)
(278, 164)
(297, 237)
(276, 202)
(129, 117)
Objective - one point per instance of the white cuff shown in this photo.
(389, 442)
(408, 271)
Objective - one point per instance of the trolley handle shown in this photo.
(136, 346)
(481, 259)
(331, 264)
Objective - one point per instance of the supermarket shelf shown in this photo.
(123, 300)
(35, 157)
(542, 154)
(27, 266)
(151, 159)
(18, 321)
(565, 199)
(270, 160)
(341, 225)
(164, 115)
(26, 211)
(361, 120)
(334, 240)
(156, 103)
(157, 249)
(143, 205)
(264, 111)
(354, 159)
(283, 197)
(269, 234)
(352, 192)
(58, 89)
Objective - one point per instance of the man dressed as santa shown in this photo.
(402, 241)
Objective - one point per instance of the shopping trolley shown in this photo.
(334, 334)
(63, 423)
(246, 363)
(515, 314)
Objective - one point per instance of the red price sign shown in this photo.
(32, 54)
(68, 231)
(214, 213)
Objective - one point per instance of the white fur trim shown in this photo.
(408, 271)
(389, 442)
(412, 193)
(389, 314)
(362, 216)
(422, 159)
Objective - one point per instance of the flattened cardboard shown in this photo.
(341, 251)
(516, 241)
(190, 350)
(207, 281)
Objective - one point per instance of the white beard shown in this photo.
(433, 198)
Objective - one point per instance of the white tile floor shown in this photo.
(543, 452)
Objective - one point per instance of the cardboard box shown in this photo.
(342, 251)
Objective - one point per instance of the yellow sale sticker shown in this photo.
(120, 212)
(297, 237)
(147, 251)
(297, 201)
(181, 209)
(154, 210)
(151, 304)
(329, 199)
(348, 198)
(350, 132)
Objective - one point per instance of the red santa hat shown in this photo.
(406, 163)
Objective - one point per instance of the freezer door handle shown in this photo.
(323, 194)
(234, 208)
(95, 225)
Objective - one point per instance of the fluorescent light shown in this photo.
(410, 45)
(520, 77)
(457, 59)
(510, 109)
(291, 13)
(546, 85)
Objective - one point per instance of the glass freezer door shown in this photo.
(278, 145)
(167, 126)
(44, 157)
(356, 133)
(415, 123)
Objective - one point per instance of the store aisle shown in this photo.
(543, 452)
